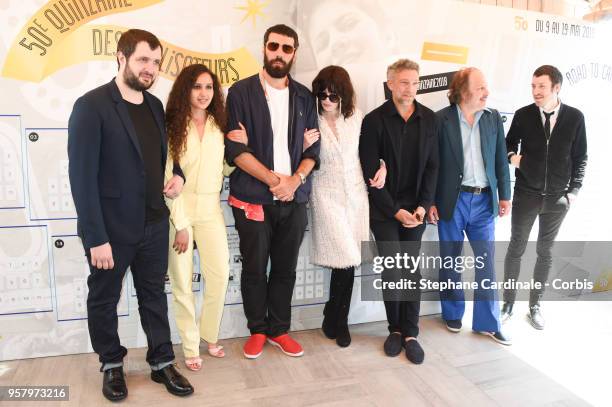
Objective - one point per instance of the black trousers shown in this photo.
(267, 299)
(403, 316)
(148, 261)
(551, 211)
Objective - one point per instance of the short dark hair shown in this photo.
(553, 73)
(129, 40)
(282, 29)
(459, 85)
(336, 79)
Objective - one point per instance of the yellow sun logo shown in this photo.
(253, 8)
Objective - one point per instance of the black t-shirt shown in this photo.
(150, 140)
(407, 136)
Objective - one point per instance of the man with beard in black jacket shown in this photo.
(270, 187)
(550, 167)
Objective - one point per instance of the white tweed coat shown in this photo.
(339, 199)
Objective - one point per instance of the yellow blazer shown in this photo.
(204, 168)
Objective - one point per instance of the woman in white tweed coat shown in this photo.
(339, 199)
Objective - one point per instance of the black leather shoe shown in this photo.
(343, 339)
(535, 317)
(113, 384)
(175, 382)
(506, 312)
(414, 352)
(393, 344)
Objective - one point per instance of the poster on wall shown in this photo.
(52, 52)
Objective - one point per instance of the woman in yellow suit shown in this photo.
(195, 120)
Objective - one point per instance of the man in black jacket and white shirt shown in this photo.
(550, 167)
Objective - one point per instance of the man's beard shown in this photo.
(132, 81)
(277, 71)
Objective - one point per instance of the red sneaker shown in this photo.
(287, 344)
(254, 346)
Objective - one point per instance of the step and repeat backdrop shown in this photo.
(51, 52)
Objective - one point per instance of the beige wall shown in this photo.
(569, 8)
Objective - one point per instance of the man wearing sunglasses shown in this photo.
(270, 187)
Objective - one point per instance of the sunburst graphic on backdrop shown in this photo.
(253, 9)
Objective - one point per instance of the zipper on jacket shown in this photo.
(546, 163)
(291, 119)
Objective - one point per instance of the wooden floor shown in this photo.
(567, 364)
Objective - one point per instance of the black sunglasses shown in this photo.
(287, 49)
(333, 97)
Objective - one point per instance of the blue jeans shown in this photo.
(474, 218)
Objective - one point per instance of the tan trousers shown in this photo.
(209, 231)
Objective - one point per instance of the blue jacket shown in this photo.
(493, 146)
(247, 104)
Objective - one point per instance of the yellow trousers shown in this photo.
(207, 228)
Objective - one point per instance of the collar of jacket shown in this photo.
(289, 82)
(295, 90)
(389, 108)
(122, 110)
(537, 110)
(535, 114)
(460, 112)
(116, 93)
